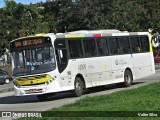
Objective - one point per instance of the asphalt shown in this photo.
(157, 66)
(9, 87)
(6, 87)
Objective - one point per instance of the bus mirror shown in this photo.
(61, 53)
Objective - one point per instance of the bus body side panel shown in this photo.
(105, 70)
(137, 66)
(144, 62)
(93, 70)
(75, 67)
(68, 75)
(117, 69)
(143, 65)
(119, 64)
(148, 64)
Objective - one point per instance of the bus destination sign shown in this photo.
(28, 42)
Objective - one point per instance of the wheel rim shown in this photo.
(6, 81)
(128, 78)
(78, 87)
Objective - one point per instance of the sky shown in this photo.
(2, 4)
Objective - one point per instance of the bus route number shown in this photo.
(82, 67)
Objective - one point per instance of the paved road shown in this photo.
(9, 102)
(6, 87)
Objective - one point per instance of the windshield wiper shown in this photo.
(21, 74)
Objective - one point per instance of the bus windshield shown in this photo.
(33, 60)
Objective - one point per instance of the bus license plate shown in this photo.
(32, 90)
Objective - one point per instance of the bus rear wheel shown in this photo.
(78, 87)
(128, 78)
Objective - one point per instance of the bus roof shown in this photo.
(88, 33)
(37, 35)
(97, 33)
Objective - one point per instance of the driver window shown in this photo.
(61, 54)
(19, 62)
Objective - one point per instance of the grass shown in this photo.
(145, 98)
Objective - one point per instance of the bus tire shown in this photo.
(78, 87)
(128, 78)
(42, 97)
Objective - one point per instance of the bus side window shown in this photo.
(114, 46)
(144, 43)
(75, 48)
(57, 57)
(90, 47)
(102, 46)
(125, 46)
(135, 44)
(61, 54)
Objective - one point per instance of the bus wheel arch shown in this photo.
(82, 78)
(79, 85)
(128, 77)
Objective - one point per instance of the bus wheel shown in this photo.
(42, 97)
(78, 87)
(128, 78)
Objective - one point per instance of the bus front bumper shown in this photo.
(37, 89)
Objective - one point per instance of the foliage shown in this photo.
(18, 20)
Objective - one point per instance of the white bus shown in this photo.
(49, 63)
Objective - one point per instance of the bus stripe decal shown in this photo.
(97, 35)
(88, 35)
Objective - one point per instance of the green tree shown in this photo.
(18, 20)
